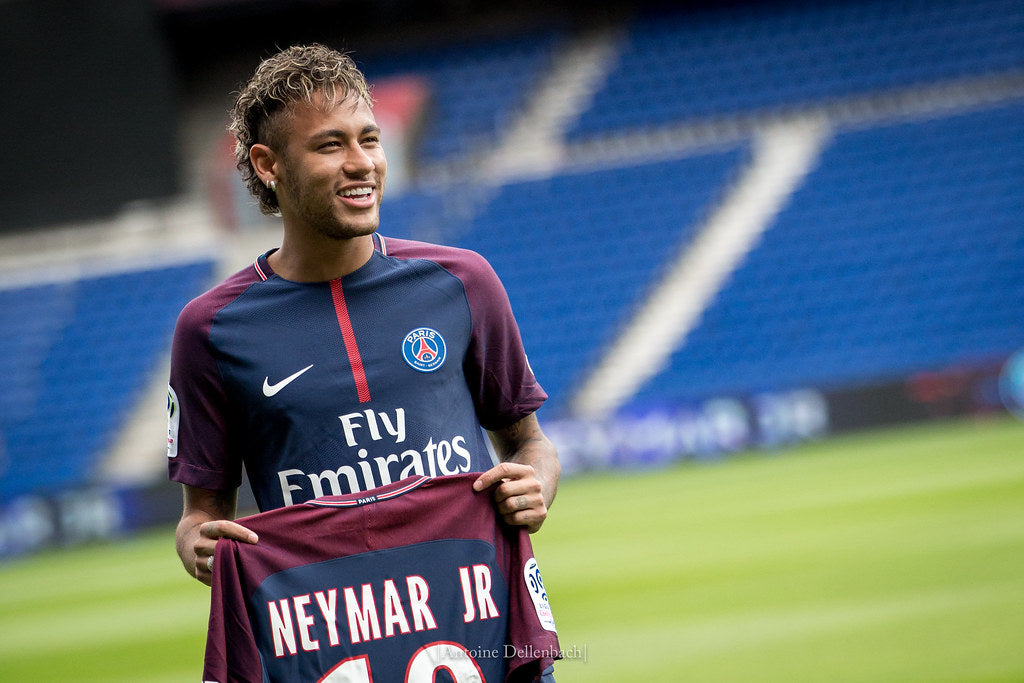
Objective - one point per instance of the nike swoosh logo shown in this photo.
(271, 389)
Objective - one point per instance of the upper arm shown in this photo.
(200, 449)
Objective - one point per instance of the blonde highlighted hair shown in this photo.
(295, 74)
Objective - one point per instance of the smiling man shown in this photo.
(342, 360)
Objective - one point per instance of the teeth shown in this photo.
(357, 192)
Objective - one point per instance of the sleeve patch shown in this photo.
(173, 420)
(535, 586)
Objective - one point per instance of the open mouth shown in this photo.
(357, 195)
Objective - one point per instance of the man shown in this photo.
(342, 360)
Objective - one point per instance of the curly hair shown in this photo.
(294, 74)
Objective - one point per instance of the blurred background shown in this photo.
(722, 225)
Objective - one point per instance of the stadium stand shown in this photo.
(75, 355)
(476, 89)
(426, 213)
(775, 57)
(577, 252)
(902, 250)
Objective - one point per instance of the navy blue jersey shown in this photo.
(406, 582)
(334, 387)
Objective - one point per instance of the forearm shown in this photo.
(206, 516)
(525, 443)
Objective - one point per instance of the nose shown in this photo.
(357, 162)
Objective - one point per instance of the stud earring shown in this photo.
(272, 184)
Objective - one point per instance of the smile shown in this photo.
(357, 193)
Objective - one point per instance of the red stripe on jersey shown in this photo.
(259, 271)
(349, 335)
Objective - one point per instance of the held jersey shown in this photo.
(416, 581)
(334, 387)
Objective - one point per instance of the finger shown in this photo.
(223, 528)
(204, 568)
(510, 505)
(521, 506)
(529, 489)
(502, 472)
(531, 517)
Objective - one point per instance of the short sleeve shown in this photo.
(199, 452)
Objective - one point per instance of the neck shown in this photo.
(328, 260)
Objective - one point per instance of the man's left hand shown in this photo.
(518, 494)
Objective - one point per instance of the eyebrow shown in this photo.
(338, 133)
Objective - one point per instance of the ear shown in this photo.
(264, 161)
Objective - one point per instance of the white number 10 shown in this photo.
(425, 662)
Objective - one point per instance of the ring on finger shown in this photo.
(209, 563)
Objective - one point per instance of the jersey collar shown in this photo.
(264, 271)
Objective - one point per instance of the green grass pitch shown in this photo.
(894, 555)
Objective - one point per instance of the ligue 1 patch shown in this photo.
(531, 573)
(173, 419)
(424, 349)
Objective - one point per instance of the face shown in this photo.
(330, 176)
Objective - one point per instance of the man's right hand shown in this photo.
(206, 517)
(206, 543)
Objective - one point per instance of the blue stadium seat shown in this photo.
(78, 354)
(725, 61)
(902, 252)
(475, 88)
(577, 252)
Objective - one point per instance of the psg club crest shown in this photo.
(424, 349)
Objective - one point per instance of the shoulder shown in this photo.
(198, 314)
(465, 264)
